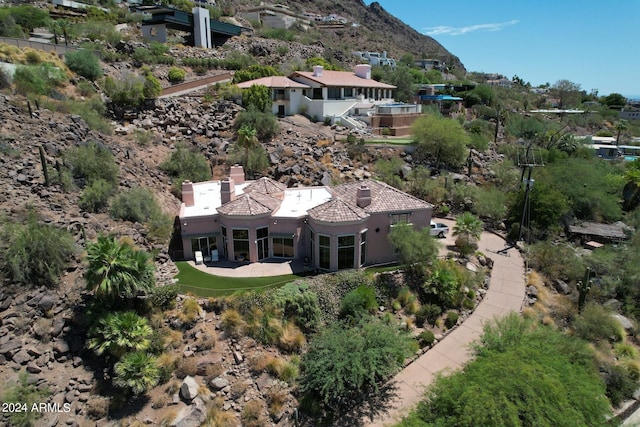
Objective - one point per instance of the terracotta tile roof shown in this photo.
(265, 185)
(273, 82)
(247, 204)
(337, 210)
(341, 78)
(384, 198)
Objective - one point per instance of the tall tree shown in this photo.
(441, 139)
(247, 140)
(621, 126)
(468, 229)
(567, 92)
(116, 269)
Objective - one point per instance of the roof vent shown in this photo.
(317, 70)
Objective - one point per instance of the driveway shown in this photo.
(506, 293)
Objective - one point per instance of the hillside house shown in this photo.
(337, 228)
(275, 16)
(320, 93)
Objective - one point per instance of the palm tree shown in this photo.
(120, 332)
(117, 269)
(137, 372)
(247, 140)
(621, 126)
(468, 229)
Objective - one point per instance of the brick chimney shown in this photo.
(363, 196)
(317, 70)
(187, 193)
(237, 174)
(227, 190)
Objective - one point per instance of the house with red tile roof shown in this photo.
(324, 93)
(337, 228)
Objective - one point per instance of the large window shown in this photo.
(241, 244)
(324, 252)
(363, 248)
(206, 245)
(348, 92)
(400, 218)
(346, 251)
(333, 93)
(225, 241)
(283, 247)
(262, 242)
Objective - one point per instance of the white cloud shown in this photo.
(457, 31)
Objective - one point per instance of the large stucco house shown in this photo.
(352, 99)
(324, 93)
(331, 229)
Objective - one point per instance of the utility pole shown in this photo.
(527, 160)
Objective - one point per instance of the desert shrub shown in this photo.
(251, 415)
(426, 339)
(190, 310)
(299, 304)
(97, 407)
(166, 365)
(254, 72)
(620, 385)
(291, 339)
(176, 75)
(237, 60)
(595, 324)
(35, 254)
(264, 326)
(265, 123)
(84, 63)
(282, 369)
(358, 302)
(24, 392)
(92, 162)
(135, 205)
(624, 350)
(38, 80)
(232, 322)
(164, 297)
(451, 319)
(126, 92)
(344, 361)
(276, 398)
(556, 260)
(427, 313)
(142, 137)
(95, 196)
(186, 366)
(185, 164)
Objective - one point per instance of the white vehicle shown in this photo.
(439, 229)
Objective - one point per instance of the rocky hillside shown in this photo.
(377, 30)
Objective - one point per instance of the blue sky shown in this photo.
(594, 43)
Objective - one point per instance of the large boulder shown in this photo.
(191, 416)
(189, 388)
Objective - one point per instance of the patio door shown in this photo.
(262, 242)
(202, 244)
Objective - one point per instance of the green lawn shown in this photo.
(191, 280)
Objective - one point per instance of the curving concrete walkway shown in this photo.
(505, 294)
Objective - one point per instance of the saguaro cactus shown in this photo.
(43, 160)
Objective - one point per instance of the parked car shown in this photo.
(439, 229)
